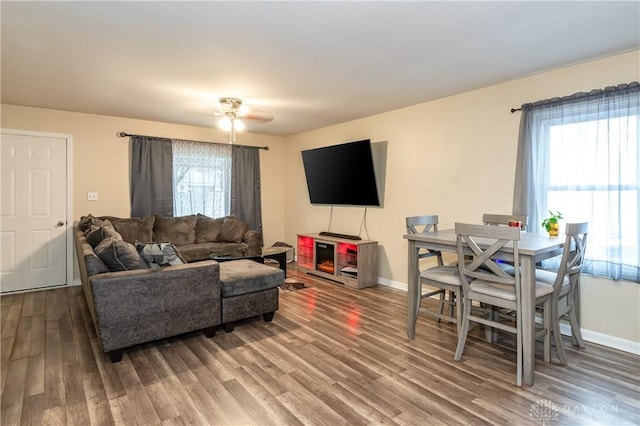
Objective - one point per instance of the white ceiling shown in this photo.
(310, 64)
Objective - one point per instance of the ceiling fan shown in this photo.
(233, 111)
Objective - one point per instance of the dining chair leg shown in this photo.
(419, 297)
(574, 297)
(459, 308)
(490, 333)
(555, 329)
(576, 334)
(519, 353)
(443, 297)
(462, 335)
(546, 323)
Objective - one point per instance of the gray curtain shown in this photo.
(151, 176)
(246, 203)
(594, 139)
(522, 199)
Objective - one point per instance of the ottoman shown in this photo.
(248, 289)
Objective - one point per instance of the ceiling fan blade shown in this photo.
(255, 115)
(235, 109)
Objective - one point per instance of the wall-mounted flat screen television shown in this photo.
(341, 174)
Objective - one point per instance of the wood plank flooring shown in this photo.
(331, 356)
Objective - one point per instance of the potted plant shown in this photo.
(551, 223)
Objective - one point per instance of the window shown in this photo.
(173, 177)
(583, 157)
(201, 178)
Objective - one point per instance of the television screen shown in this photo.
(341, 174)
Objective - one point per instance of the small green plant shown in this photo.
(552, 221)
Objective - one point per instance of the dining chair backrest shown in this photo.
(426, 223)
(575, 245)
(483, 242)
(418, 224)
(504, 219)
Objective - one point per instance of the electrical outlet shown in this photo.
(92, 196)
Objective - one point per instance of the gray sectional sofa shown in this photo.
(150, 278)
(197, 237)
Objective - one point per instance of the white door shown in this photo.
(33, 211)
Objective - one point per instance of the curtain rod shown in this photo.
(515, 109)
(125, 134)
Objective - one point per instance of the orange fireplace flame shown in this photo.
(326, 266)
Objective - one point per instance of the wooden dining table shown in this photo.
(532, 248)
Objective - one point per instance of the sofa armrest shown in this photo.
(139, 306)
(253, 239)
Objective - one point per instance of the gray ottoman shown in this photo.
(248, 289)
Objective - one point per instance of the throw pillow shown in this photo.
(95, 265)
(232, 231)
(159, 254)
(135, 228)
(95, 223)
(177, 230)
(85, 222)
(118, 255)
(99, 233)
(208, 229)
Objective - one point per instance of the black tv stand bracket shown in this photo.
(336, 235)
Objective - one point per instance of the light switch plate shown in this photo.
(92, 196)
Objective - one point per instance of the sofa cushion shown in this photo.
(159, 254)
(99, 233)
(205, 251)
(239, 277)
(232, 231)
(207, 228)
(253, 239)
(94, 265)
(133, 229)
(194, 252)
(176, 230)
(119, 255)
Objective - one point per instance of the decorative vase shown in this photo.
(554, 229)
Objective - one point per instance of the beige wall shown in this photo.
(455, 157)
(101, 158)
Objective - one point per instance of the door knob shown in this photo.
(60, 223)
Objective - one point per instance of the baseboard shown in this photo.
(394, 284)
(588, 335)
(604, 339)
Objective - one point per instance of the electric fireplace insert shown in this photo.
(324, 257)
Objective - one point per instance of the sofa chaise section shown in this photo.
(142, 305)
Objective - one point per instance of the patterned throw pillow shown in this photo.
(159, 254)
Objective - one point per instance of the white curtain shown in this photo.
(201, 178)
(580, 155)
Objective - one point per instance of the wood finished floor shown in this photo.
(331, 356)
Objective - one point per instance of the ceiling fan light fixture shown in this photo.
(225, 124)
(230, 104)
